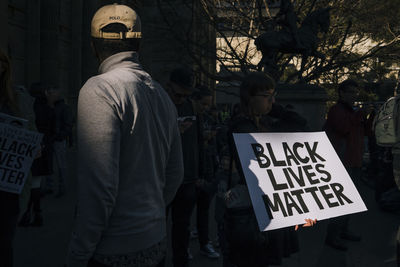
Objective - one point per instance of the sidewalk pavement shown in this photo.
(47, 246)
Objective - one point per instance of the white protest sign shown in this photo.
(295, 176)
(18, 148)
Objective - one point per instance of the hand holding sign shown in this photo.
(308, 223)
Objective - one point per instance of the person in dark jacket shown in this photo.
(62, 130)
(257, 95)
(180, 88)
(345, 127)
(42, 167)
(14, 103)
(207, 184)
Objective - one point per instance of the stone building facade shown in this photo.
(49, 40)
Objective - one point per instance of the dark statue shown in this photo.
(287, 19)
(291, 39)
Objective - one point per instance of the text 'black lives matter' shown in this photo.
(301, 178)
(12, 157)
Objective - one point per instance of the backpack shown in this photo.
(386, 126)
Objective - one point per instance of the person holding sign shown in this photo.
(246, 245)
(12, 103)
(9, 202)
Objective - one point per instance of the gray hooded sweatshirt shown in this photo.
(129, 161)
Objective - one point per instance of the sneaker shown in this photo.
(189, 254)
(209, 251)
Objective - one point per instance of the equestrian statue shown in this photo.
(291, 39)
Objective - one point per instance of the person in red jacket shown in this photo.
(346, 127)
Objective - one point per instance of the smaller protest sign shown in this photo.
(295, 176)
(18, 148)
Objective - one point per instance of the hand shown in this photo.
(309, 223)
(183, 126)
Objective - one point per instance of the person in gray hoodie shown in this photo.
(130, 161)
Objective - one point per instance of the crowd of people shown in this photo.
(43, 107)
(148, 153)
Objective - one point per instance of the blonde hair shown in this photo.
(7, 94)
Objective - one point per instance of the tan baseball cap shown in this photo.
(116, 13)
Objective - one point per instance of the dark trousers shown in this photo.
(203, 211)
(181, 211)
(34, 200)
(340, 225)
(337, 226)
(8, 224)
(93, 263)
